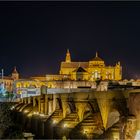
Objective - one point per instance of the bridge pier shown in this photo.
(22, 100)
(81, 108)
(34, 101)
(46, 105)
(29, 100)
(54, 102)
(50, 107)
(92, 113)
(39, 103)
(66, 109)
(35, 124)
(104, 103)
(25, 100)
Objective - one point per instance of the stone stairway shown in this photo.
(71, 117)
(89, 119)
(56, 114)
(70, 121)
(91, 125)
(88, 122)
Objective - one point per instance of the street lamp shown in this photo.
(65, 125)
(54, 121)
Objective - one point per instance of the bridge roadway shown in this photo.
(84, 113)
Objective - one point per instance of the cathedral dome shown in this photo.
(96, 58)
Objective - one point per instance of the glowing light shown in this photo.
(26, 111)
(12, 107)
(54, 121)
(29, 115)
(137, 137)
(84, 132)
(36, 113)
(65, 125)
(42, 115)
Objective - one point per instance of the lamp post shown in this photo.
(2, 83)
(2, 73)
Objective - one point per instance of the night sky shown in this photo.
(34, 36)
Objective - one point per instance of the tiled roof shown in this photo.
(80, 69)
(74, 64)
(96, 59)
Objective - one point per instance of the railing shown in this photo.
(72, 90)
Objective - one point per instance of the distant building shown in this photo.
(91, 70)
(72, 75)
(27, 87)
(6, 82)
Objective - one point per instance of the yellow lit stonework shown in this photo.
(9, 80)
(91, 70)
(26, 83)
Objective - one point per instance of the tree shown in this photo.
(8, 126)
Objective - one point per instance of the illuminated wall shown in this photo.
(92, 70)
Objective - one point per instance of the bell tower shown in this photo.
(96, 54)
(15, 74)
(68, 57)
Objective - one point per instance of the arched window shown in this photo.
(96, 74)
(18, 85)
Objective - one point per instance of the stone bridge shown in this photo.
(96, 114)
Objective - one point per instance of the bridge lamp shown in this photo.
(54, 121)
(65, 125)
(12, 107)
(137, 137)
(35, 113)
(42, 115)
(84, 132)
(26, 111)
(29, 115)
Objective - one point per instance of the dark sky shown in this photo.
(34, 36)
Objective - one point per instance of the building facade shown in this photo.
(6, 82)
(92, 70)
(27, 87)
(72, 75)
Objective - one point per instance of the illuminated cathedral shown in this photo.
(92, 70)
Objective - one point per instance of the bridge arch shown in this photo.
(113, 117)
(83, 109)
(66, 108)
(58, 103)
(71, 104)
